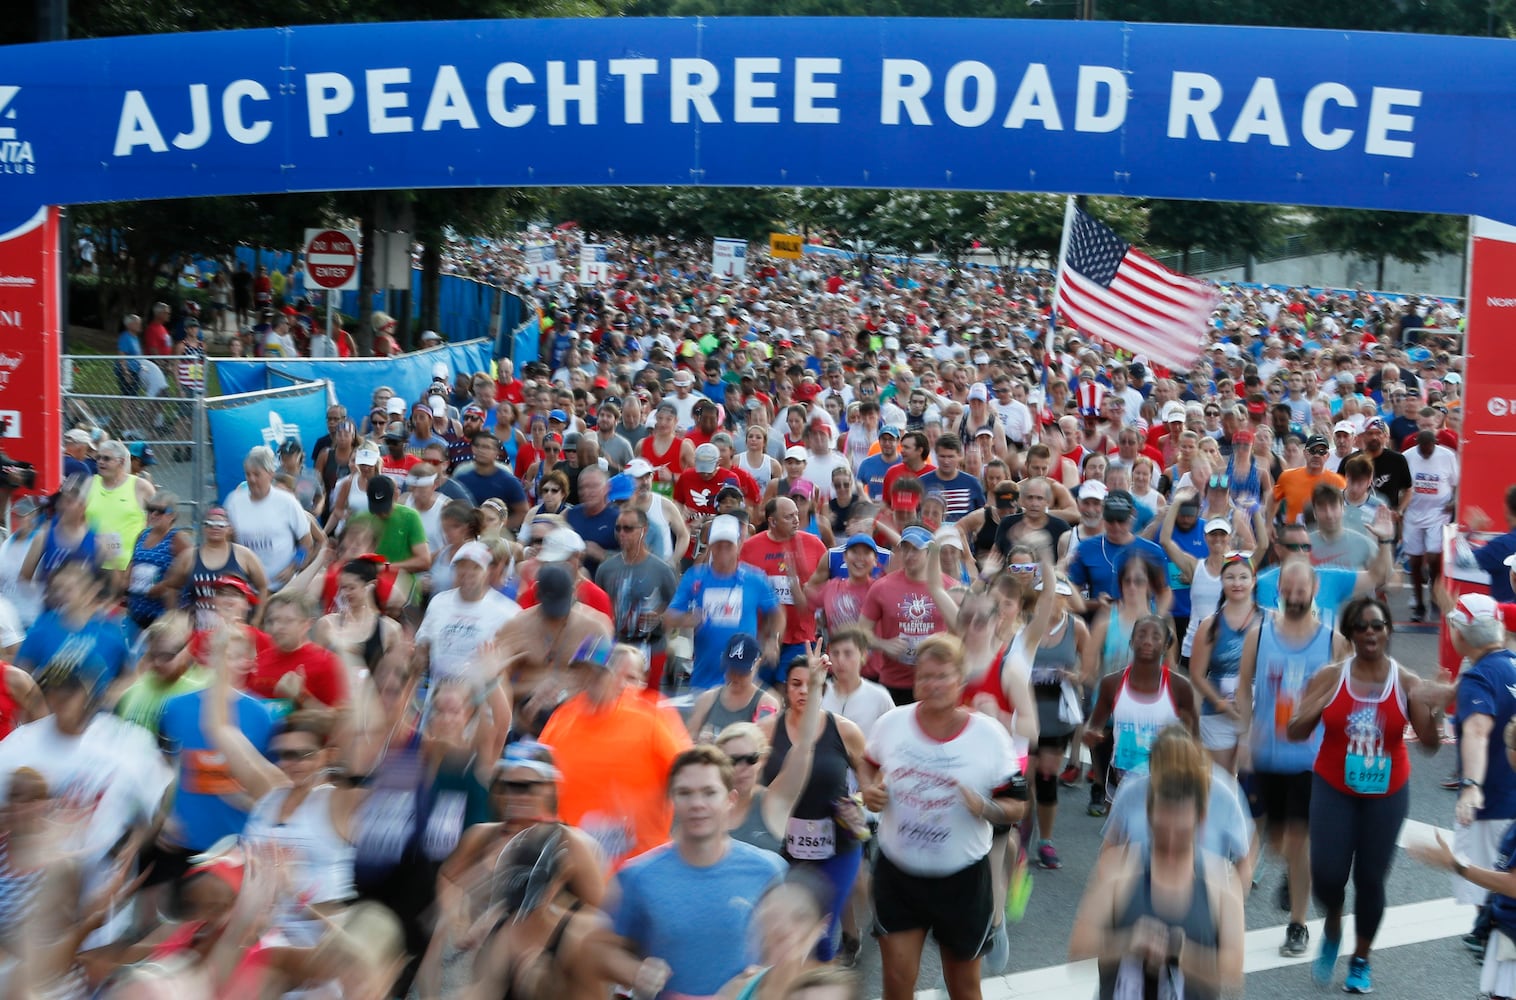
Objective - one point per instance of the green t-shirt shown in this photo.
(142, 703)
(400, 531)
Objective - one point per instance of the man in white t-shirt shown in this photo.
(459, 621)
(106, 780)
(1434, 480)
(270, 522)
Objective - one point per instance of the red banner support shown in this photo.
(30, 346)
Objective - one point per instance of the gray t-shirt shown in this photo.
(1350, 549)
(642, 590)
(1227, 831)
(616, 450)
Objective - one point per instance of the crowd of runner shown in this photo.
(757, 620)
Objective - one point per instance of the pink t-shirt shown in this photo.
(905, 610)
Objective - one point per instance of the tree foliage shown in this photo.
(1187, 225)
(1411, 237)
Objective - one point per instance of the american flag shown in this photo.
(1127, 299)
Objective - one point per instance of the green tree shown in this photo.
(1411, 237)
(1185, 226)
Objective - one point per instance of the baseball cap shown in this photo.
(725, 528)
(78, 436)
(555, 590)
(916, 536)
(430, 337)
(560, 545)
(978, 391)
(1218, 524)
(1172, 411)
(621, 487)
(24, 506)
(1510, 562)
(742, 654)
(949, 536)
(1092, 490)
(439, 370)
(891, 430)
(1344, 427)
(706, 458)
(862, 539)
(529, 755)
(796, 451)
(639, 467)
(1376, 422)
(1118, 506)
(239, 585)
(802, 488)
(558, 415)
(367, 456)
(1256, 406)
(395, 405)
(471, 409)
(683, 377)
(474, 552)
(144, 452)
(381, 494)
(1243, 437)
(1317, 441)
(1473, 607)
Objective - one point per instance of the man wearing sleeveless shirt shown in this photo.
(116, 505)
(1280, 655)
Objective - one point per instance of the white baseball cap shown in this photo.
(796, 451)
(560, 545)
(1344, 427)
(726, 528)
(367, 456)
(639, 467)
(1472, 607)
(396, 405)
(1092, 490)
(474, 552)
(1173, 410)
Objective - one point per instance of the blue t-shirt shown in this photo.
(98, 651)
(1335, 584)
(1503, 908)
(728, 605)
(1193, 542)
(1489, 688)
(1097, 563)
(498, 485)
(962, 494)
(204, 810)
(695, 919)
(598, 528)
(871, 474)
(1491, 558)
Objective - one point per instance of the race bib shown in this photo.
(782, 589)
(1132, 746)
(144, 577)
(1228, 687)
(1366, 775)
(810, 839)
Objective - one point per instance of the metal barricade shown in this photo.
(158, 401)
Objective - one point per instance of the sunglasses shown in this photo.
(1374, 626)
(289, 755)
(218, 524)
(1021, 568)
(1296, 546)
(157, 510)
(627, 529)
(750, 759)
(1319, 450)
(551, 489)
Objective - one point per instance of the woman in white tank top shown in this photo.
(299, 821)
(756, 460)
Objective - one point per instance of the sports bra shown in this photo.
(514, 973)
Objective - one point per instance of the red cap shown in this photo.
(807, 391)
(238, 584)
(1258, 406)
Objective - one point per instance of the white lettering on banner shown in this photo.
(750, 90)
(1499, 406)
(1499, 303)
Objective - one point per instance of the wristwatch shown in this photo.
(1471, 783)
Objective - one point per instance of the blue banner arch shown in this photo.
(1227, 113)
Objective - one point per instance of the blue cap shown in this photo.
(595, 651)
(861, 539)
(559, 416)
(621, 487)
(742, 654)
(891, 429)
(916, 535)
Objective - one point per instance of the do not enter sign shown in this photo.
(331, 259)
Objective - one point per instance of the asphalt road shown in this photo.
(1418, 954)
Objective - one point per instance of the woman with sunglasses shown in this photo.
(1359, 792)
(546, 464)
(196, 570)
(552, 493)
(763, 811)
(153, 554)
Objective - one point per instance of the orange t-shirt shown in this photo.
(615, 767)
(1294, 486)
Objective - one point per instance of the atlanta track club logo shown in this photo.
(16, 155)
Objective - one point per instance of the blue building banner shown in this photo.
(1386, 121)
(240, 423)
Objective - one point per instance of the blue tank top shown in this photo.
(1246, 493)
(56, 552)
(1226, 659)
(146, 572)
(1279, 679)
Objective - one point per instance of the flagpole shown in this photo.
(1063, 251)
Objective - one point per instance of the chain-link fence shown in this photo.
(158, 402)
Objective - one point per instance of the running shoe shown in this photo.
(1047, 856)
(1098, 808)
(1325, 964)
(847, 955)
(1418, 614)
(1019, 891)
(1070, 776)
(1296, 938)
(1359, 978)
(1475, 944)
(998, 958)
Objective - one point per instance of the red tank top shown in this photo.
(991, 684)
(8, 708)
(669, 457)
(1363, 739)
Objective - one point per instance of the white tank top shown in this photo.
(357, 496)
(660, 537)
(763, 473)
(1205, 598)
(1136, 722)
(318, 862)
(431, 521)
